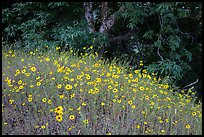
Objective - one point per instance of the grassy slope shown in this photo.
(70, 95)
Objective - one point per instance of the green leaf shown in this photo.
(158, 44)
(148, 34)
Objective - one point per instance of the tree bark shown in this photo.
(104, 11)
(106, 22)
(124, 37)
(89, 16)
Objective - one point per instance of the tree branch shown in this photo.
(188, 34)
(108, 22)
(161, 25)
(190, 85)
(104, 11)
(159, 54)
(124, 37)
(121, 37)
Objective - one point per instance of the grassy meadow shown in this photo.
(51, 93)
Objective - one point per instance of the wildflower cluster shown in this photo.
(86, 96)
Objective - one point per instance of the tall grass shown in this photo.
(59, 93)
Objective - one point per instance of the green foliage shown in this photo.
(134, 13)
(166, 68)
(44, 24)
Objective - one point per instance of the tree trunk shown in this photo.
(89, 16)
(107, 22)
